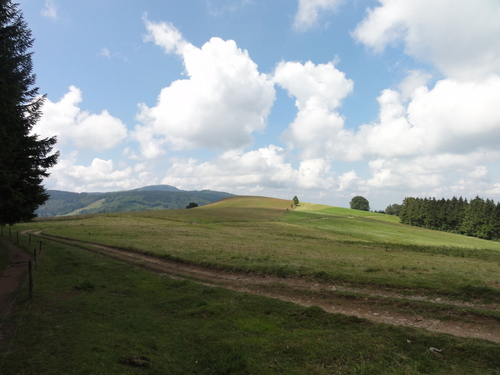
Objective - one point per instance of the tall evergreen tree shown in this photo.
(496, 221)
(474, 217)
(24, 158)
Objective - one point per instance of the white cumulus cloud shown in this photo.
(453, 116)
(459, 37)
(100, 175)
(315, 174)
(413, 81)
(86, 131)
(318, 128)
(347, 181)
(221, 103)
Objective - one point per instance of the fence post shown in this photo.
(30, 271)
(34, 257)
(40, 251)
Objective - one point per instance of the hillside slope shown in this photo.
(252, 202)
(164, 197)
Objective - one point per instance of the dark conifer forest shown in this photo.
(477, 218)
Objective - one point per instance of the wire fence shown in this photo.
(27, 283)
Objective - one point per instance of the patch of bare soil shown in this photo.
(330, 297)
(10, 281)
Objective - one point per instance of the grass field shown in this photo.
(95, 315)
(337, 244)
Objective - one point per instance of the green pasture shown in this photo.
(251, 202)
(336, 244)
(374, 227)
(94, 315)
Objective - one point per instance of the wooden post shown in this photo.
(30, 271)
(34, 257)
(40, 247)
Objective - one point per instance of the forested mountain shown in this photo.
(157, 197)
(477, 218)
(157, 188)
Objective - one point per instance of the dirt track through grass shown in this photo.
(377, 305)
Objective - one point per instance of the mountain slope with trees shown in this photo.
(164, 197)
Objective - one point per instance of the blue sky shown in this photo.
(323, 99)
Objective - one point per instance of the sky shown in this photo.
(320, 99)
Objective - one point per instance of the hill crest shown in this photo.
(157, 188)
(156, 197)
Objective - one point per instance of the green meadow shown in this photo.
(94, 315)
(266, 236)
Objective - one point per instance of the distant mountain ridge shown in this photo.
(156, 197)
(157, 188)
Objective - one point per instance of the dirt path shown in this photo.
(330, 297)
(11, 278)
(10, 281)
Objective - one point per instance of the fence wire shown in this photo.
(23, 313)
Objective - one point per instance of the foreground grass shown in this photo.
(94, 315)
(334, 244)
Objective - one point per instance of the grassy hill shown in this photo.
(251, 202)
(158, 197)
(92, 314)
(263, 235)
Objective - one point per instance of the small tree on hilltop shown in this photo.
(295, 201)
(360, 203)
(192, 205)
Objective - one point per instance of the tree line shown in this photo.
(477, 218)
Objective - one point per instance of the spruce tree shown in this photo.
(24, 158)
